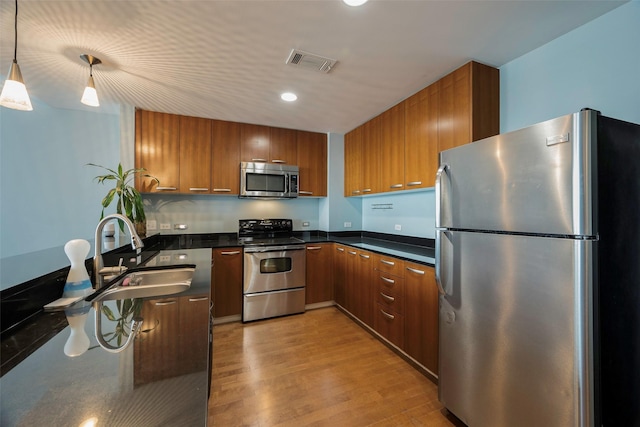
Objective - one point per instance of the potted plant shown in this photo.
(129, 200)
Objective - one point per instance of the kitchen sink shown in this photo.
(146, 282)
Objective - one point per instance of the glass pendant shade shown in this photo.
(90, 96)
(14, 93)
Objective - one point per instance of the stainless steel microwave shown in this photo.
(267, 180)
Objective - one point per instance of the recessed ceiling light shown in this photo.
(354, 2)
(289, 96)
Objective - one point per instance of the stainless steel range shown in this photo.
(274, 269)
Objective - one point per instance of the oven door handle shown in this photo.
(273, 249)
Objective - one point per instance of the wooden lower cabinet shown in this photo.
(319, 273)
(421, 315)
(226, 282)
(339, 274)
(390, 325)
(173, 338)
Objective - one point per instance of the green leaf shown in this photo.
(107, 312)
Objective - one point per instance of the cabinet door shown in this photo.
(158, 150)
(353, 163)
(454, 121)
(254, 143)
(282, 146)
(319, 273)
(312, 161)
(364, 288)
(392, 159)
(194, 341)
(351, 281)
(195, 155)
(421, 138)
(421, 315)
(225, 149)
(226, 275)
(339, 276)
(371, 156)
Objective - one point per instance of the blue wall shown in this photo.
(48, 195)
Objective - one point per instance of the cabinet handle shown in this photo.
(384, 261)
(230, 253)
(415, 271)
(198, 299)
(388, 316)
(396, 186)
(258, 160)
(387, 297)
(384, 279)
(166, 302)
(313, 248)
(351, 253)
(166, 188)
(198, 189)
(366, 190)
(365, 256)
(307, 193)
(222, 190)
(414, 183)
(355, 192)
(278, 161)
(340, 249)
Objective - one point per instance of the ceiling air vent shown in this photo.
(310, 61)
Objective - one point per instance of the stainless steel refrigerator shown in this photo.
(538, 267)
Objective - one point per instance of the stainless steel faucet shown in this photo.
(98, 263)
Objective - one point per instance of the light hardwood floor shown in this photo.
(315, 369)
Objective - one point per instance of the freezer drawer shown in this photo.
(515, 320)
(271, 304)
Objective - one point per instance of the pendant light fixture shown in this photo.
(14, 92)
(90, 96)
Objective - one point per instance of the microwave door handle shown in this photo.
(287, 184)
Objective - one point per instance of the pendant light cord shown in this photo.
(15, 38)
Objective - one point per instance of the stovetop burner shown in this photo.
(263, 232)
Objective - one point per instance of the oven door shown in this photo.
(272, 268)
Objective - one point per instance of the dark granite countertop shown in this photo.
(161, 379)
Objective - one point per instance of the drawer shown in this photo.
(390, 265)
(390, 325)
(392, 299)
(393, 284)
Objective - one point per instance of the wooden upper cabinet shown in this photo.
(254, 143)
(371, 156)
(225, 151)
(195, 155)
(158, 150)
(312, 162)
(469, 105)
(392, 147)
(283, 148)
(421, 138)
(353, 163)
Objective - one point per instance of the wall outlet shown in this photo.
(180, 226)
(347, 224)
(152, 224)
(165, 258)
(165, 226)
(398, 227)
(305, 223)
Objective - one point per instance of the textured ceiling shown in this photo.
(226, 59)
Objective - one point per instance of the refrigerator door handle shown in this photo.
(442, 170)
(438, 262)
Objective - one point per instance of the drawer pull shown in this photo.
(365, 256)
(384, 261)
(340, 249)
(355, 192)
(396, 186)
(198, 189)
(313, 248)
(414, 183)
(387, 297)
(166, 188)
(351, 252)
(388, 280)
(278, 161)
(166, 302)
(366, 190)
(230, 253)
(222, 190)
(198, 299)
(387, 315)
(306, 193)
(258, 160)
(415, 271)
